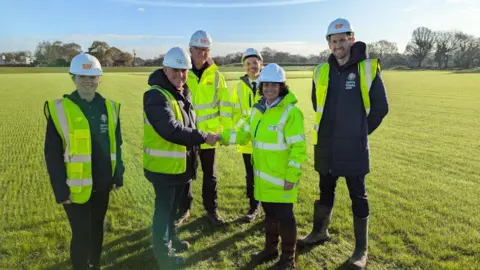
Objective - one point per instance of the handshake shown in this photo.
(213, 138)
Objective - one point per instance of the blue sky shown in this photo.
(152, 26)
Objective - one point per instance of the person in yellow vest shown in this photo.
(245, 94)
(350, 102)
(171, 140)
(211, 101)
(83, 157)
(276, 129)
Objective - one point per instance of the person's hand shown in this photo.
(288, 186)
(114, 187)
(211, 139)
(66, 202)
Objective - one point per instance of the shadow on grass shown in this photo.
(132, 243)
(466, 71)
(344, 266)
(214, 250)
(134, 251)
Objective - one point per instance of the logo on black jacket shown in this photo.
(351, 81)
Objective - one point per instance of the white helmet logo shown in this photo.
(86, 66)
(103, 118)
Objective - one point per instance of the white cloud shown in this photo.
(237, 4)
(140, 9)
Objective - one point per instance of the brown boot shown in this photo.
(359, 257)
(321, 218)
(270, 251)
(288, 233)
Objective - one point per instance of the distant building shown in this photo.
(2, 60)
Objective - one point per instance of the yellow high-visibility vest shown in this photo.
(243, 100)
(211, 101)
(74, 129)
(160, 155)
(367, 70)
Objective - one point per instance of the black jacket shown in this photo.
(161, 117)
(101, 164)
(342, 147)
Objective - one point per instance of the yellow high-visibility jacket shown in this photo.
(279, 148)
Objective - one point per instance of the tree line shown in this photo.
(58, 54)
(426, 49)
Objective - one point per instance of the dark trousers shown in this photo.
(247, 160)
(86, 221)
(280, 220)
(282, 212)
(356, 188)
(209, 186)
(167, 200)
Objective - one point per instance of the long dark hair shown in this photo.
(284, 89)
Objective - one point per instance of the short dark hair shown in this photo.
(250, 56)
(349, 35)
(284, 89)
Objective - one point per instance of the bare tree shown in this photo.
(324, 55)
(99, 49)
(70, 50)
(382, 49)
(421, 44)
(467, 51)
(445, 43)
(268, 55)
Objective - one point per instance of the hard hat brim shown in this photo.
(199, 45)
(89, 73)
(252, 55)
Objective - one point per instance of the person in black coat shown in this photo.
(342, 149)
(86, 218)
(169, 187)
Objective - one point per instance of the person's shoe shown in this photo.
(267, 254)
(93, 267)
(359, 256)
(180, 245)
(251, 215)
(171, 261)
(270, 251)
(215, 219)
(321, 218)
(289, 241)
(182, 218)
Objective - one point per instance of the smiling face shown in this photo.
(340, 45)
(199, 55)
(252, 65)
(86, 85)
(178, 77)
(271, 91)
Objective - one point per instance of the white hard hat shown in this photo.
(251, 52)
(177, 57)
(85, 64)
(339, 26)
(272, 73)
(200, 39)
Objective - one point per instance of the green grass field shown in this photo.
(423, 190)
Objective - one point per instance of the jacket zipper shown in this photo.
(256, 128)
